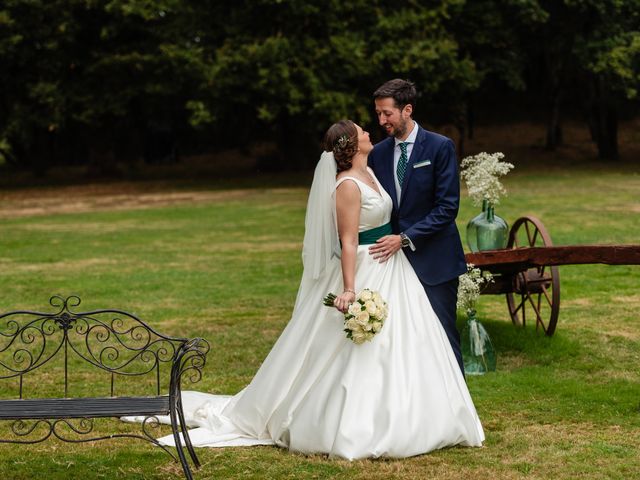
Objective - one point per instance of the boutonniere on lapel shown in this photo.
(423, 163)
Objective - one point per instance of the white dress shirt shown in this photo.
(411, 140)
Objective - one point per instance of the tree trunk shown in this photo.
(554, 128)
(554, 73)
(102, 158)
(459, 114)
(40, 153)
(603, 120)
(461, 140)
(296, 148)
(471, 119)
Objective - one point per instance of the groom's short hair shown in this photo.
(403, 92)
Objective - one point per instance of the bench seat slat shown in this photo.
(45, 408)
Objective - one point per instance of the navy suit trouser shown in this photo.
(443, 299)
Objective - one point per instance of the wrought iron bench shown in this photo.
(128, 353)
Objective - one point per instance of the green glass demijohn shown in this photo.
(478, 354)
(487, 231)
(472, 228)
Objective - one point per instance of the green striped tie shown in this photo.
(402, 162)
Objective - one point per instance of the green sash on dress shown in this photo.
(370, 236)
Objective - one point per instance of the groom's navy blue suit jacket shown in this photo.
(428, 205)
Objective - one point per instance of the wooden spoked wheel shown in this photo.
(536, 291)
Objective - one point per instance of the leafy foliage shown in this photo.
(94, 79)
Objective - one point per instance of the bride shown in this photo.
(401, 394)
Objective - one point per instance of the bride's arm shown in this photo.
(348, 214)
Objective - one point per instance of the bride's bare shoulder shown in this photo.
(347, 182)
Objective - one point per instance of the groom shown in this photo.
(419, 170)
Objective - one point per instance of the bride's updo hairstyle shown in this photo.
(342, 140)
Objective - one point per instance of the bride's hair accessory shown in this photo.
(342, 140)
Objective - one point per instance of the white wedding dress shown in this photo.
(401, 394)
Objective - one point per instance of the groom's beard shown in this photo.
(399, 130)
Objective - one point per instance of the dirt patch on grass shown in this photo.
(579, 302)
(509, 362)
(632, 300)
(113, 197)
(67, 265)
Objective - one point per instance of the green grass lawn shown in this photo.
(227, 267)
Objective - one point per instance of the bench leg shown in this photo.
(176, 437)
(185, 435)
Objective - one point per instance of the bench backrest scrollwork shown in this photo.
(113, 341)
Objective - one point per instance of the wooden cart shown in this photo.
(526, 271)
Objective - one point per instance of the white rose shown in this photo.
(377, 298)
(355, 308)
(365, 295)
(371, 307)
(352, 324)
(358, 337)
(362, 318)
(376, 326)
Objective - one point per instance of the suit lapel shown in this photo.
(416, 153)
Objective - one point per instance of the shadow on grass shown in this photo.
(566, 377)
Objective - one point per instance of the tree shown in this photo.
(609, 52)
(106, 80)
(589, 49)
(490, 33)
(315, 62)
(89, 76)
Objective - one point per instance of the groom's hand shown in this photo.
(385, 247)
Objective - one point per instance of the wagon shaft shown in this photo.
(527, 270)
(521, 259)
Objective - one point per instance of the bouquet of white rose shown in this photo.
(365, 316)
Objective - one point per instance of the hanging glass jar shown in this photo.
(478, 354)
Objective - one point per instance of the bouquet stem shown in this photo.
(329, 299)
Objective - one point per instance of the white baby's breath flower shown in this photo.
(481, 172)
(470, 286)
